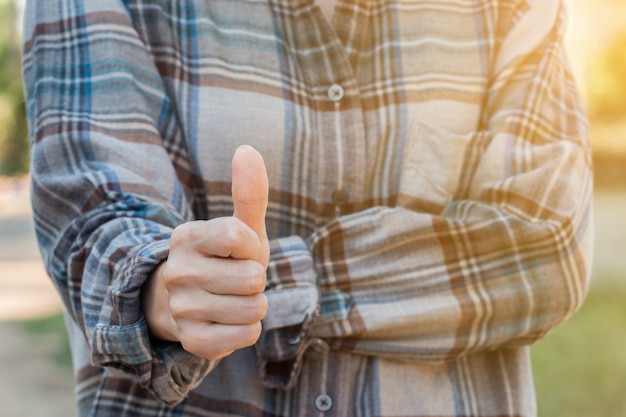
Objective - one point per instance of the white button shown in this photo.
(294, 340)
(335, 93)
(323, 402)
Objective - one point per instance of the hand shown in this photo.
(208, 295)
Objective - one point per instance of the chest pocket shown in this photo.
(432, 168)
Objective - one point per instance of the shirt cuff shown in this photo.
(165, 369)
(293, 299)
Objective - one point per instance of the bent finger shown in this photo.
(213, 340)
(222, 237)
(231, 310)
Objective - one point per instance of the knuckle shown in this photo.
(172, 269)
(254, 309)
(179, 309)
(205, 345)
(255, 278)
(259, 307)
(234, 234)
(181, 235)
(175, 274)
(250, 334)
(189, 342)
(201, 344)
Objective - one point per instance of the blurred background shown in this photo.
(580, 368)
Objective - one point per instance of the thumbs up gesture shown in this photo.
(250, 194)
(208, 295)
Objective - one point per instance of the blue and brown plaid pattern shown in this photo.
(428, 219)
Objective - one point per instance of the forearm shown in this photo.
(460, 284)
(489, 242)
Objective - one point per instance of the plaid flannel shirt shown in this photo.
(430, 195)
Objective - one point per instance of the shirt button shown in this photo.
(323, 402)
(340, 197)
(336, 93)
(294, 340)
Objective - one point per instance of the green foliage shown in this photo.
(580, 368)
(13, 127)
(50, 330)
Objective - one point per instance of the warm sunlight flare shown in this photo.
(596, 41)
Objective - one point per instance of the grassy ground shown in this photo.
(580, 368)
(54, 329)
(36, 371)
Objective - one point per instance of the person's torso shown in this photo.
(334, 106)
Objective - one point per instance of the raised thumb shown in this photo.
(250, 189)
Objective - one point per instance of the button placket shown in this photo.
(336, 93)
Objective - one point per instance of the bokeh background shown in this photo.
(579, 369)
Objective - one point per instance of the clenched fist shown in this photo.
(208, 295)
